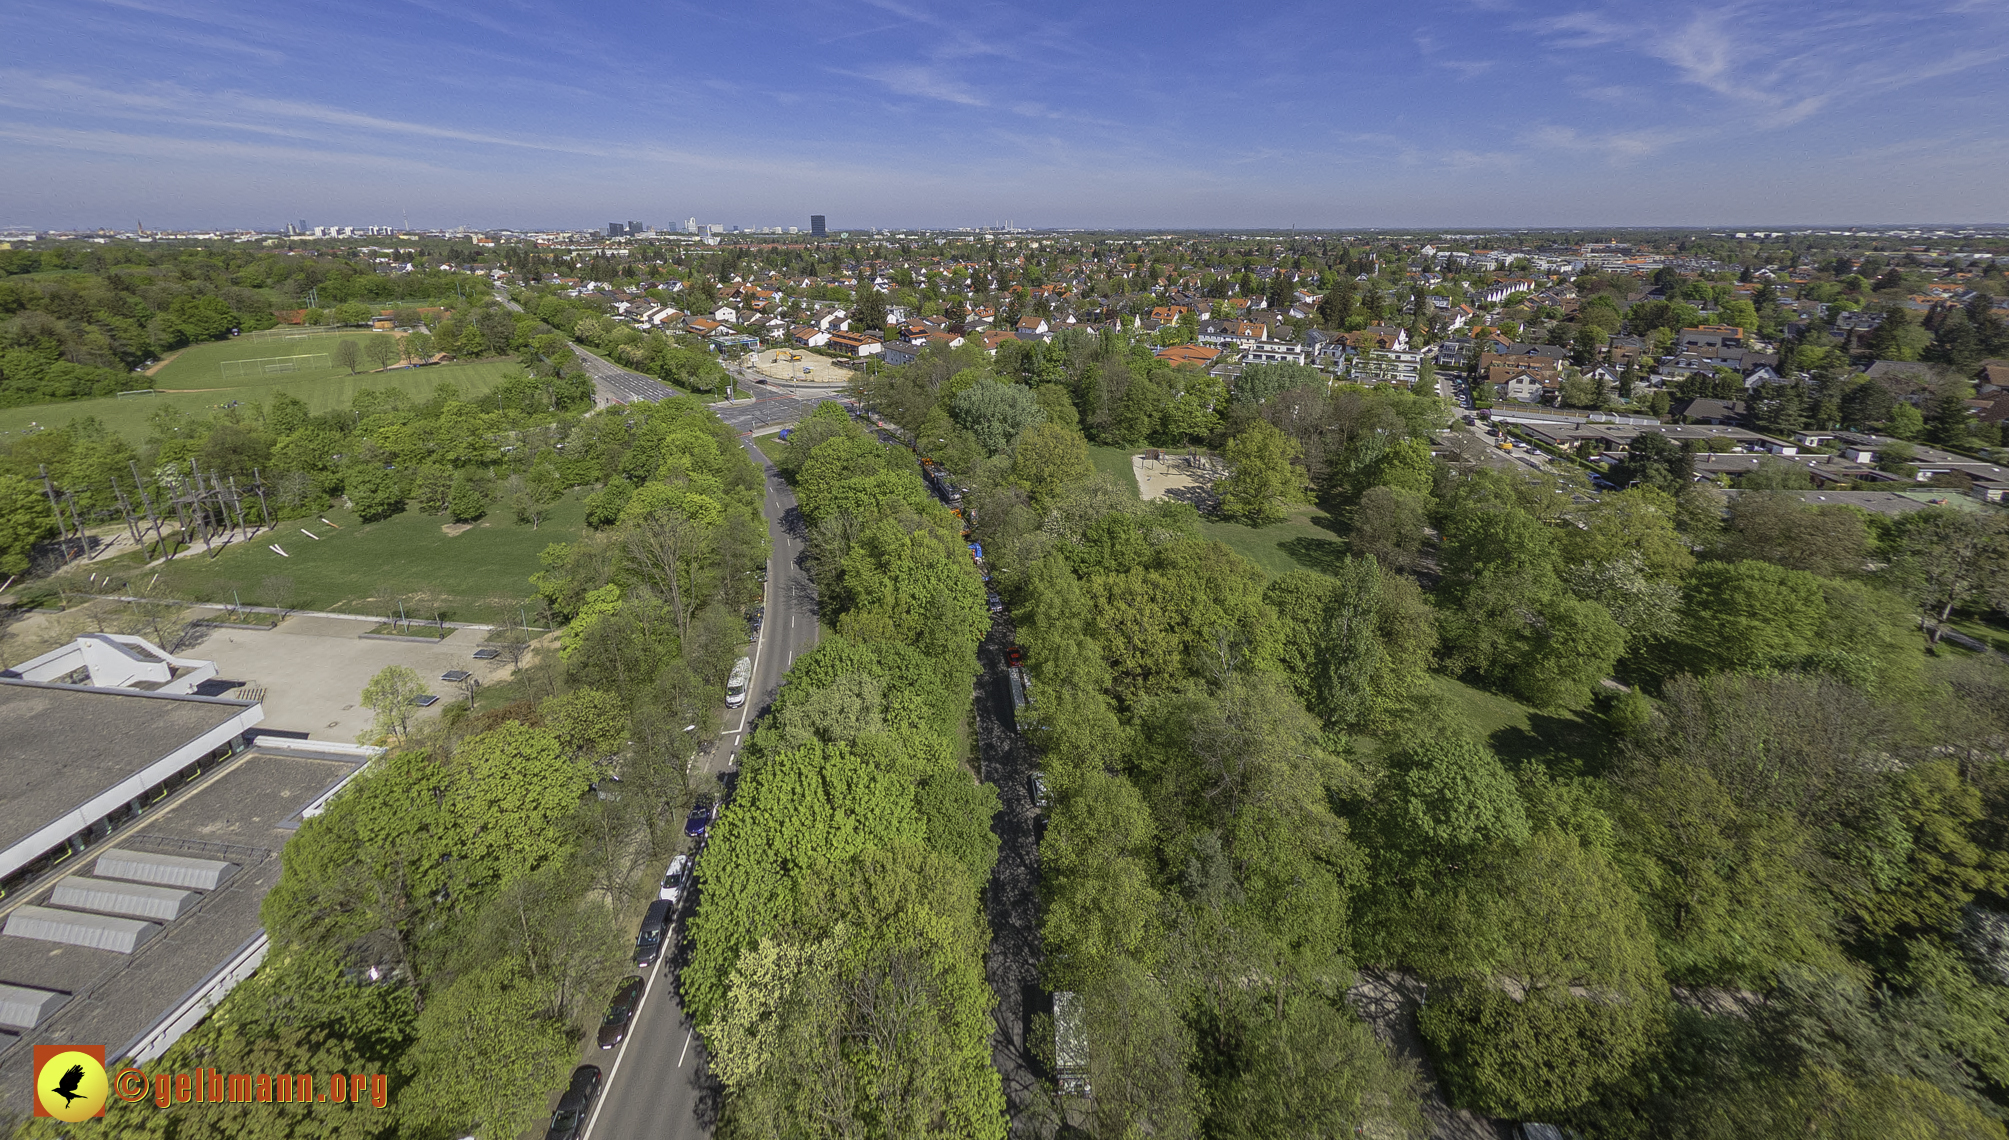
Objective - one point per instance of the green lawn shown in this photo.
(479, 575)
(1306, 540)
(193, 382)
(1116, 461)
(772, 446)
(1569, 743)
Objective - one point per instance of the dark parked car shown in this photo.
(655, 931)
(996, 603)
(569, 1121)
(620, 1011)
(755, 619)
(699, 824)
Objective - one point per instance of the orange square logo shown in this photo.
(70, 1081)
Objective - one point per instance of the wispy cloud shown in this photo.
(920, 82)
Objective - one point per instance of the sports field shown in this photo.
(481, 574)
(194, 382)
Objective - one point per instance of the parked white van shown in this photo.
(735, 685)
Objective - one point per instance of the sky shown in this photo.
(897, 113)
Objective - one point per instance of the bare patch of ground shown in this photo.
(1185, 478)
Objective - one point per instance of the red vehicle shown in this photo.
(1014, 656)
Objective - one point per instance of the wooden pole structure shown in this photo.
(62, 526)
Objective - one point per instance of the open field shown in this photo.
(197, 371)
(199, 365)
(1306, 540)
(479, 575)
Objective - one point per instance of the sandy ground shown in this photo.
(312, 669)
(1174, 477)
(822, 369)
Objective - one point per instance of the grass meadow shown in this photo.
(479, 574)
(193, 381)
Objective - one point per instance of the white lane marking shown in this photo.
(686, 1049)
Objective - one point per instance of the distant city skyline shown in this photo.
(1481, 113)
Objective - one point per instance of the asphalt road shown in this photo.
(1011, 901)
(657, 1083)
(773, 404)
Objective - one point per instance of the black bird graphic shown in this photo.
(67, 1087)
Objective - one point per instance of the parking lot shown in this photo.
(313, 669)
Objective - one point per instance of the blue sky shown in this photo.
(1451, 114)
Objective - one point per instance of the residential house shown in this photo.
(1232, 333)
(1625, 351)
(901, 352)
(1522, 387)
(1381, 366)
(1182, 355)
(859, 344)
(1388, 338)
(1034, 328)
(991, 338)
(809, 336)
(1501, 363)
(725, 314)
(1274, 352)
(705, 326)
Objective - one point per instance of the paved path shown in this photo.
(657, 1082)
(1011, 901)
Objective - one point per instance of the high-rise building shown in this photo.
(690, 225)
(615, 229)
(635, 228)
(816, 225)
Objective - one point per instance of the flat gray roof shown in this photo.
(60, 746)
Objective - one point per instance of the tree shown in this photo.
(1049, 460)
(1749, 615)
(1780, 528)
(466, 501)
(1946, 558)
(391, 695)
(278, 591)
(499, 1015)
(347, 355)
(417, 347)
(869, 313)
(1653, 460)
(1389, 526)
(382, 350)
(531, 497)
(1571, 998)
(1263, 479)
(996, 413)
(1349, 652)
(25, 519)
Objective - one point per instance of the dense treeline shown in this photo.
(75, 322)
(471, 896)
(1755, 885)
(838, 948)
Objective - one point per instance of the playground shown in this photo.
(1178, 475)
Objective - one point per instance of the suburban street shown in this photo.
(657, 1084)
(1011, 901)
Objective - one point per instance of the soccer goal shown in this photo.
(272, 365)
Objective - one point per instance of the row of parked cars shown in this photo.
(575, 1105)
